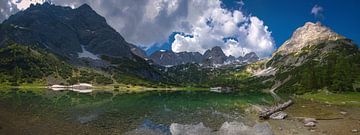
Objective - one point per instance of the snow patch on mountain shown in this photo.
(87, 54)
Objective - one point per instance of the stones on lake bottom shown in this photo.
(310, 122)
(278, 115)
(307, 120)
(343, 113)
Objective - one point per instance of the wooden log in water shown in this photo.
(266, 114)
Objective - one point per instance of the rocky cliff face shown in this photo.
(165, 58)
(64, 31)
(308, 35)
(214, 56)
(249, 57)
(308, 41)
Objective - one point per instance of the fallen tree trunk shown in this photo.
(266, 114)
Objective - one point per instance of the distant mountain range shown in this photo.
(68, 32)
(212, 57)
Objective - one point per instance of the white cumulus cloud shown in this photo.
(213, 24)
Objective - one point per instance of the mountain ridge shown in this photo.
(212, 57)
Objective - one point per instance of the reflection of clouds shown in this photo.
(82, 91)
(227, 128)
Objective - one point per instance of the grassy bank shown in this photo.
(345, 98)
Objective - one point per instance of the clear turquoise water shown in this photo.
(118, 112)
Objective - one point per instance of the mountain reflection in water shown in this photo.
(121, 112)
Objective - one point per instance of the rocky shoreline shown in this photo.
(315, 118)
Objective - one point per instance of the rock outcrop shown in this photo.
(309, 34)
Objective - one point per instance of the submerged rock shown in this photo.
(310, 122)
(307, 120)
(278, 115)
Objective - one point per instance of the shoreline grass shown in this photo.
(113, 87)
(323, 96)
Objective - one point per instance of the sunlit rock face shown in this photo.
(309, 34)
(311, 41)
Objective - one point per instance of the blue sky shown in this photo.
(284, 16)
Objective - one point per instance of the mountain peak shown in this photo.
(309, 34)
(215, 51)
(85, 6)
(216, 48)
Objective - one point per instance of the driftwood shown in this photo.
(266, 114)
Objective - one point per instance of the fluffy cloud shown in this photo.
(23, 4)
(211, 24)
(146, 22)
(317, 11)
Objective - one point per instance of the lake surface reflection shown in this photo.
(43, 111)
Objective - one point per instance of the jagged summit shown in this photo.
(309, 34)
(85, 6)
(212, 57)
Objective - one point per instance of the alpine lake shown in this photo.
(44, 111)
